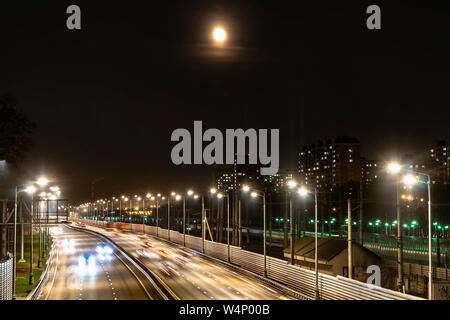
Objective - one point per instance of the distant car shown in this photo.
(165, 254)
(80, 225)
(147, 244)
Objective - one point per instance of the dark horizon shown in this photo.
(106, 98)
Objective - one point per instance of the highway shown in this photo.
(83, 267)
(190, 275)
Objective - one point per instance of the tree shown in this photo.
(15, 131)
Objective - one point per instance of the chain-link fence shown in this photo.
(6, 279)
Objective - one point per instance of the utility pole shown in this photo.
(349, 240)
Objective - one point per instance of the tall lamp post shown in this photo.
(227, 196)
(303, 192)
(410, 180)
(30, 189)
(254, 194)
(172, 194)
(291, 185)
(189, 193)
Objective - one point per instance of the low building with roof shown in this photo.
(333, 256)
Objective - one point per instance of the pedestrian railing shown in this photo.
(6, 278)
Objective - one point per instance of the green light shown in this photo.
(395, 222)
(378, 221)
(414, 222)
(435, 223)
(276, 219)
(405, 226)
(439, 227)
(354, 223)
(446, 227)
(386, 224)
(370, 223)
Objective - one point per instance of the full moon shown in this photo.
(219, 34)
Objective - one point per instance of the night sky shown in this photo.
(106, 98)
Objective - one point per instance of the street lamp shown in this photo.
(409, 179)
(413, 180)
(394, 168)
(262, 194)
(302, 191)
(190, 193)
(31, 190)
(172, 194)
(291, 185)
(220, 196)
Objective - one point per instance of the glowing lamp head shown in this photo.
(148, 195)
(394, 168)
(253, 194)
(219, 34)
(42, 181)
(245, 188)
(219, 195)
(302, 192)
(177, 197)
(291, 184)
(213, 190)
(409, 180)
(190, 192)
(30, 189)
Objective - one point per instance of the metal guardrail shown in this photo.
(299, 279)
(6, 278)
(34, 294)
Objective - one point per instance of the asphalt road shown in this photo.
(190, 275)
(80, 271)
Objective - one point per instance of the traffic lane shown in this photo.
(197, 277)
(103, 277)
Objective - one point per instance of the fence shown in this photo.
(294, 277)
(6, 279)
